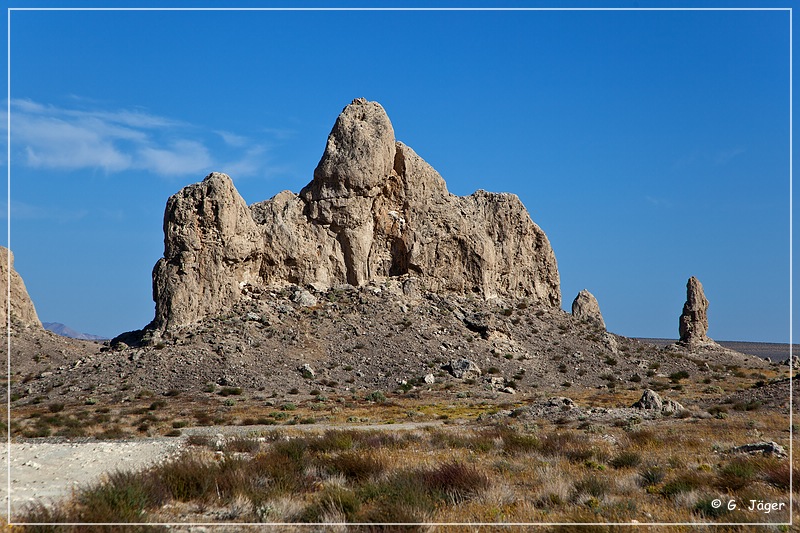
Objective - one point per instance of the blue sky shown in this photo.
(649, 145)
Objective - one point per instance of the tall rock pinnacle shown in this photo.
(694, 319)
(19, 305)
(374, 210)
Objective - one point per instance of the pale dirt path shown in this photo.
(47, 472)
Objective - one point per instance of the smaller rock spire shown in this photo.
(694, 319)
(585, 306)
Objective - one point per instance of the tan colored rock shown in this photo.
(585, 307)
(374, 210)
(23, 313)
(651, 400)
(693, 324)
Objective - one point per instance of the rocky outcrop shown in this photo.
(374, 210)
(651, 401)
(694, 319)
(463, 369)
(585, 307)
(768, 448)
(19, 304)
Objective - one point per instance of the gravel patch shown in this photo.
(48, 472)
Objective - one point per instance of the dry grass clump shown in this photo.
(487, 473)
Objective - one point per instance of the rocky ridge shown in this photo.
(374, 211)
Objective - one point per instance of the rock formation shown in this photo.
(694, 319)
(374, 210)
(651, 401)
(585, 307)
(19, 304)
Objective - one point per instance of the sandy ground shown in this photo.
(47, 472)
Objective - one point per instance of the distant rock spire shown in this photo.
(694, 319)
(585, 306)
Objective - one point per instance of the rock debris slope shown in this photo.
(23, 314)
(374, 210)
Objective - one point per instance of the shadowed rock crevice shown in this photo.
(374, 210)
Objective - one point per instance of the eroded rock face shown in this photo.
(585, 307)
(694, 319)
(374, 210)
(23, 314)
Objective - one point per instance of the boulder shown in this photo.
(304, 298)
(306, 371)
(463, 369)
(374, 210)
(19, 306)
(693, 324)
(651, 401)
(769, 448)
(585, 307)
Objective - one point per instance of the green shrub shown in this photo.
(651, 475)
(455, 481)
(242, 445)
(736, 475)
(332, 440)
(706, 508)
(124, 497)
(377, 397)
(626, 459)
(677, 376)
(592, 485)
(188, 477)
(685, 482)
(356, 465)
(332, 499)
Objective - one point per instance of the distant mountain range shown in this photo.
(65, 331)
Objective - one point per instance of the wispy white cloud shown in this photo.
(232, 139)
(658, 202)
(27, 211)
(52, 137)
(725, 156)
(55, 143)
(249, 163)
(181, 157)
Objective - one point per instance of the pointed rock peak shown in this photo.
(19, 306)
(359, 155)
(693, 325)
(585, 307)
